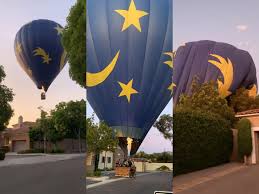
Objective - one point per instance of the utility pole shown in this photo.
(44, 130)
(79, 140)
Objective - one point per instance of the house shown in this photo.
(253, 117)
(17, 138)
(107, 160)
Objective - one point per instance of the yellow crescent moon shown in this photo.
(94, 79)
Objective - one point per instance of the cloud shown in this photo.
(248, 46)
(241, 28)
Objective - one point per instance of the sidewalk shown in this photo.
(187, 181)
(21, 159)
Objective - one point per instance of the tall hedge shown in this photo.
(201, 140)
(244, 138)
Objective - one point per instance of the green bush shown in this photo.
(163, 168)
(5, 149)
(31, 151)
(57, 151)
(89, 174)
(2, 155)
(244, 138)
(201, 140)
(97, 173)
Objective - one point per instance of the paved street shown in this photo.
(146, 184)
(243, 181)
(61, 177)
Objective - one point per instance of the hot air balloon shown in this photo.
(229, 66)
(129, 65)
(39, 51)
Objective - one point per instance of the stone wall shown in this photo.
(68, 145)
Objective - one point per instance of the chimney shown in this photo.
(20, 121)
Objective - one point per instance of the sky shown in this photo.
(13, 15)
(232, 21)
(154, 142)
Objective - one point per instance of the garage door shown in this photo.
(19, 146)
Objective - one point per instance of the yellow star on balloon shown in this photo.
(59, 29)
(127, 89)
(171, 87)
(18, 48)
(131, 16)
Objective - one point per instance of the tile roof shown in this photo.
(248, 112)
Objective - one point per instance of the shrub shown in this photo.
(97, 173)
(201, 140)
(5, 149)
(89, 174)
(163, 168)
(244, 138)
(2, 155)
(30, 151)
(57, 151)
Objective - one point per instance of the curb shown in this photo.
(115, 180)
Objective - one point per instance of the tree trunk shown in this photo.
(44, 144)
(96, 161)
(79, 141)
(245, 160)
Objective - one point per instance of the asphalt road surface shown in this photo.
(146, 184)
(62, 177)
(244, 181)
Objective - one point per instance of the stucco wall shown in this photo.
(146, 166)
(68, 145)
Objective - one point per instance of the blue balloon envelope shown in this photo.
(229, 66)
(129, 64)
(39, 51)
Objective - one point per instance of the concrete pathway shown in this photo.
(22, 159)
(188, 182)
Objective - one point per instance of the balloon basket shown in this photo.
(43, 96)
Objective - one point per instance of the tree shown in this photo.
(164, 157)
(241, 101)
(36, 134)
(69, 119)
(141, 154)
(99, 138)
(165, 126)
(244, 138)
(205, 98)
(52, 134)
(201, 140)
(6, 96)
(44, 130)
(74, 42)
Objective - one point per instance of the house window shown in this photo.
(103, 159)
(109, 160)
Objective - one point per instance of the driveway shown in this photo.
(240, 181)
